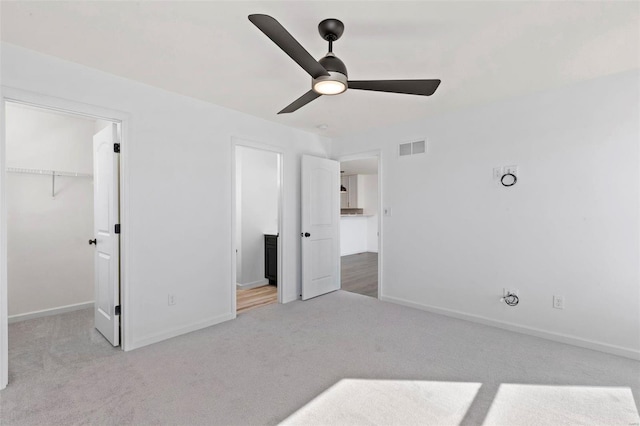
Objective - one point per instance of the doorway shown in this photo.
(257, 219)
(120, 194)
(360, 225)
(56, 251)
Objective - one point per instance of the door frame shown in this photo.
(238, 141)
(369, 154)
(39, 100)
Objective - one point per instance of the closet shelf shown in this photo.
(52, 173)
(48, 172)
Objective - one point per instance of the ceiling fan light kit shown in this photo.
(329, 74)
(333, 84)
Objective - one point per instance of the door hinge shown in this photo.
(116, 148)
(117, 310)
(117, 228)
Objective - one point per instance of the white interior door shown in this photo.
(107, 241)
(320, 226)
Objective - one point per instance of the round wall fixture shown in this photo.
(508, 179)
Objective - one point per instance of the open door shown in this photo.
(320, 226)
(106, 233)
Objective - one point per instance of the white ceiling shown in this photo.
(361, 166)
(482, 51)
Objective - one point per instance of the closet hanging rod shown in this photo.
(48, 172)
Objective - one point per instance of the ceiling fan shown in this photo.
(329, 74)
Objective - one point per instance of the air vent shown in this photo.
(405, 149)
(418, 147)
(412, 148)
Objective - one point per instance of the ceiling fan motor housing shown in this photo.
(337, 73)
(332, 63)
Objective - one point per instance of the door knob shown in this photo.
(94, 241)
(306, 234)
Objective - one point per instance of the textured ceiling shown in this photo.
(482, 51)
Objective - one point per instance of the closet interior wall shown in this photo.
(50, 210)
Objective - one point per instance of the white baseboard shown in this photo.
(177, 331)
(48, 312)
(549, 335)
(254, 284)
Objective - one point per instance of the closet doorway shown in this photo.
(257, 217)
(63, 260)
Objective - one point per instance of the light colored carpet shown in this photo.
(336, 359)
(388, 402)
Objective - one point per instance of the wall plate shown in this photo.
(511, 169)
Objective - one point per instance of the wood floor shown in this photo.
(360, 273)
(255, 297)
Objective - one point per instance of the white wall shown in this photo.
(569, 227)
(370, 206)
(359, 234)
(258, 192)
(353, 235)
(101, 124)
(178, 168)
(50, 263)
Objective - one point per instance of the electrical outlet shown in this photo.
(171, 299)
(497, 172)
(558, 302)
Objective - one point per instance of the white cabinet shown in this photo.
(349, 199)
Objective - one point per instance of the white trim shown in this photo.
(177, 331)
(378, 154)
(49, 312)
(237, 141)
(531, 331)
(238, 226)
(254, 284)
(11, 94)
(4, 325)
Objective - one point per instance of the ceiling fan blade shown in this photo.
(410, 87)
(285, 41)
(300, 102)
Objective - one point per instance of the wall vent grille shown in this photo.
(405, 149)
(412, 148)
